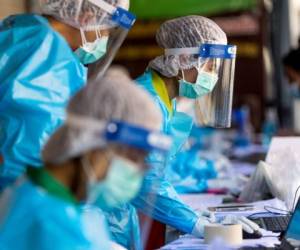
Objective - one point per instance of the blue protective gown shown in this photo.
(157, 197)
(124, 227)
(38, 74)
(31, 218)
(166, 207)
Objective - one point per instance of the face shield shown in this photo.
(214, 109)
(121, 133)
(110, 23)
(213, 89)
(119, 22)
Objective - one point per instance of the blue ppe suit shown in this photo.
(157, 198)
(39, 73)
(34, 219)
(124, 227)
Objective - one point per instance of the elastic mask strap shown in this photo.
(98, 34)
(182, 73)
(83, 38)
(199, 66)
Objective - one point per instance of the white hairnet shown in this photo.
(184, 32)
(81, 13)
(115, 97)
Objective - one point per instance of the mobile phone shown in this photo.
(232, 208)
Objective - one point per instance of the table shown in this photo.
(176, 240)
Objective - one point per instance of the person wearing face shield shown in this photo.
(94, 161)
(196, 54)
(42, 60)
(197, 64)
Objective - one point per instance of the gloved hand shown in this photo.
(247, 225)
(205, 218)
(209, 215)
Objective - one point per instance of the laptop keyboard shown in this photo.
(277, 224)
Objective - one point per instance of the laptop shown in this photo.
(291, 237)
(276, 224)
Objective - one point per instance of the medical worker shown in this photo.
(42, 65)
(96, 158)
(190, 71)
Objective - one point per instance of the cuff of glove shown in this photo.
(198, 230)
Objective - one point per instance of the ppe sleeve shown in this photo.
(160, 201)
(123, 226)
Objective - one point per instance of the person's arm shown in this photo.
(159, 200)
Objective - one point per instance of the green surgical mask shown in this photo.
(120, 185)
(205, 84)
(92, 52)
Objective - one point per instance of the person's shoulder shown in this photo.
(31, 28)
(21, 20)
(145, 81)
(144, 78)
(64, 219)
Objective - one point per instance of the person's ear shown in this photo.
(100, 161)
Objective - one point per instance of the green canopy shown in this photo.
(161, 9)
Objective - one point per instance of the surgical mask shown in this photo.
(91, 52)
(205, 83)
(120, 185)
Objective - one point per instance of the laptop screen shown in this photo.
(293, 231)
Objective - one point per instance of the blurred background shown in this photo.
(263, 30)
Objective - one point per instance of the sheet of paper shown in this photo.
(202, 201)
(188, 242)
